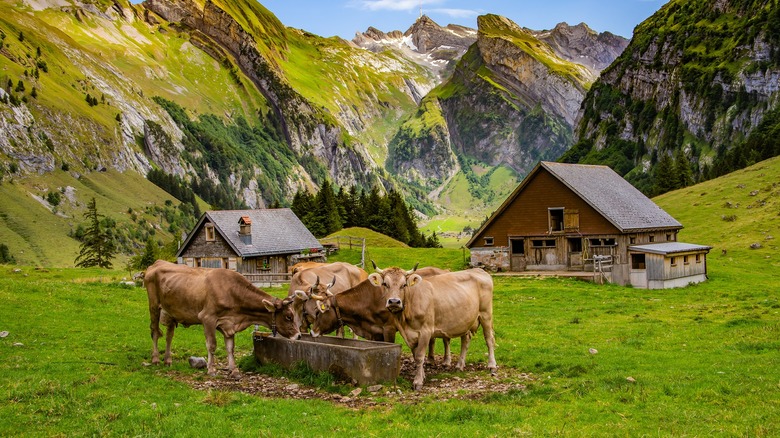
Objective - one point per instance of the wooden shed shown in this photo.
(260, 244)
(667, 265)
(572, 217)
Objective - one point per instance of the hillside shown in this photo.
(696, 81)
(732, 213)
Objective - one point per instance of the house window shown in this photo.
(673, 261)
(543, 243)
(263, 264)
(488, 241)
(517, 246)
(210, 235)
(210, 262)
(555, 217)
(638, 261)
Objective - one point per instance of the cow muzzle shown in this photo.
(394, 305)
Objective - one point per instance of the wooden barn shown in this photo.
(260, 244)
(574, 217)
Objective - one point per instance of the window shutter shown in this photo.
(571, 220)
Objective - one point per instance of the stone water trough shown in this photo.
(366, 362)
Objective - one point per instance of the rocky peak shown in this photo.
(428, 36)
(583, 45)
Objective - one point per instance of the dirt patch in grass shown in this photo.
(441, 383)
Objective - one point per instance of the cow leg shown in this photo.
(465, 340)
(155, 329)
(486, 321)
(431, 348)
(230, 342)
(419, 360)
(170, 328)
(210, 331)
(447, 352)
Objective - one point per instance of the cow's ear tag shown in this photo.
(322, 307)
(375, 279)
(414, 279)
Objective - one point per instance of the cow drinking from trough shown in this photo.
(362, 309)
(444, 306)
(317, 280)
(219, 299)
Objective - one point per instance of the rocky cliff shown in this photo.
(696, 80)
(511, 100)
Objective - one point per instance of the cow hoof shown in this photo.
(235, 374)
(494, 371)
(212, 373)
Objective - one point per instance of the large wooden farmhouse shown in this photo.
(587, 218)
(261, 244)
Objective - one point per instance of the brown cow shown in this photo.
(444, 306)
(339, 276)
(219, 299)
(362, 309)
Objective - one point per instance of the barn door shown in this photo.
(517, 259)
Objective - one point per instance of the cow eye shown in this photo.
(288, 318)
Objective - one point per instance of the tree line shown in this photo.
(336, 208)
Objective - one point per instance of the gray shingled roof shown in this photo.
(612, 196)
(274, 231)
(669, 247)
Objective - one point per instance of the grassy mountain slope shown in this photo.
(732, 213)
(37, 232)
(696, 79)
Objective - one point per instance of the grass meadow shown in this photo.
(703, 360)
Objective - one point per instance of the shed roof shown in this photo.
(669, 248)
(274, 231)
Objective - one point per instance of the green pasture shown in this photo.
(702, 360)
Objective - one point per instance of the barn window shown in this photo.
(652, 238)
(575, 245)
(210, 235)
(685, 260)
(669, 237)
(698, 258)
(632, 240)
(555, 217)
(673, 261)
(543, 243)
(488, 241)
(211, 262)
(637, 261)
(603, 242)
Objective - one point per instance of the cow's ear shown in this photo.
(269, 306)
(413, 279)
(301, 295)
(375, 279)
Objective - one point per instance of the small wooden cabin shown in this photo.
(580, 218)
(260, 244)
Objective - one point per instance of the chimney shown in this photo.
(245, 224)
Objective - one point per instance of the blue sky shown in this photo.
(345, 17)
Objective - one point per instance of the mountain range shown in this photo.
(227, 101)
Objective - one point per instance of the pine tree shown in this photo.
(682, 170)
(98, 246)
(664, 174)
(149, 256)
(327, 209)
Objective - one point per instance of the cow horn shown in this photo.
(316, 283)
(376, 268)
(319, 297)
(413, 269)
(332, 282)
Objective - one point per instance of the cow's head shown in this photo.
(305, 306)
(284, 319)
(395, 283)
(325, 318)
